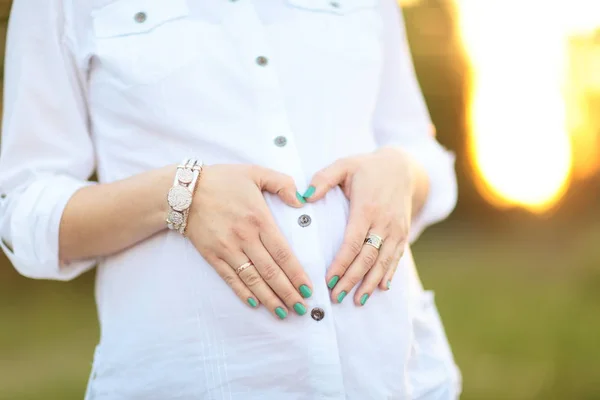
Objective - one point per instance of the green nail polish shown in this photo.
(333, 281)
(300, 309)
(364, 299)
(389, 284)
(305, 291)
(341, 296)
(300, 198)
(309, 192)
(252, 302)
(281, 313)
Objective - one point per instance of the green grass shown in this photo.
(522, 316)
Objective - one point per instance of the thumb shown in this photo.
(326, 179)
(280, 184)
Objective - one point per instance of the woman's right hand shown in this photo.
(230, 224)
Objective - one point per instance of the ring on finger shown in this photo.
(374, 240)
(243, 267)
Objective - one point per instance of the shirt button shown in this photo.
(304, 220)
(317, 314)
(280, 141)
(140, 17)
(262, 61)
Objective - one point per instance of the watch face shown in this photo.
(185, 176)
(175, 218)
(179, 198)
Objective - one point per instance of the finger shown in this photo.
(384, 263)
(274, 276)
(257, 285)
(361, 265)
(280, 184)
(235, 283)
(283, 256)
(386, 282)
(356, 231)
(326, 179)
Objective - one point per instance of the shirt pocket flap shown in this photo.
(340, 7)
(127, 17)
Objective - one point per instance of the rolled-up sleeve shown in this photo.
(402, 119)
(46, 153)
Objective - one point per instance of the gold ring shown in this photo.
(243, 267)
(374, 240)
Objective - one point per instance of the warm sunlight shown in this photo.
(533, 91)
(535, 81)
(582, 19)
(518, 141)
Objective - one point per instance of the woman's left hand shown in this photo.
(380, 187)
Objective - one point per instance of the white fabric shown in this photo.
(88, 87)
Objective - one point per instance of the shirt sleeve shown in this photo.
(46, 152)
(402, 119)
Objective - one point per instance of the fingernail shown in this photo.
(305, 291)
(300, 198)
(309, 192)
(364, 299)
(341, 296)
(300, 309)
(333, 281)
(252, 302)
(389, 284)
(281, 313)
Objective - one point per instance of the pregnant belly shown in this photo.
(164, 279)
(169, 321)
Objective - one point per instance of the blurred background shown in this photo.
(513, 87)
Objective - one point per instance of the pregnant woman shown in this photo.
(262, 167)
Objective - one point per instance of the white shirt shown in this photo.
(126, 86)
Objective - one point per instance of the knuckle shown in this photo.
(210, 256)
(254, 171)
(342, 266)
(220, 240)
(271, 300)
(253, 218)
(402, 241)
(386, 262)
(354, 246)
(395, 233)
(229, 280)
(353, 280)
(270, 272)
(282, 255)
(252, 279)
(321, 176)
(239, 291)
(288, 181)
(389, 218)
(403, 236)
(223, 245)
(369, 259)
(295, 276)
(288, 297)
(370, 208)
(240, 233)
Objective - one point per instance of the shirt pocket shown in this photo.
(347, 30)
(336, 7)
(143, 41)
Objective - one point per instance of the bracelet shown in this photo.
(181, 195)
